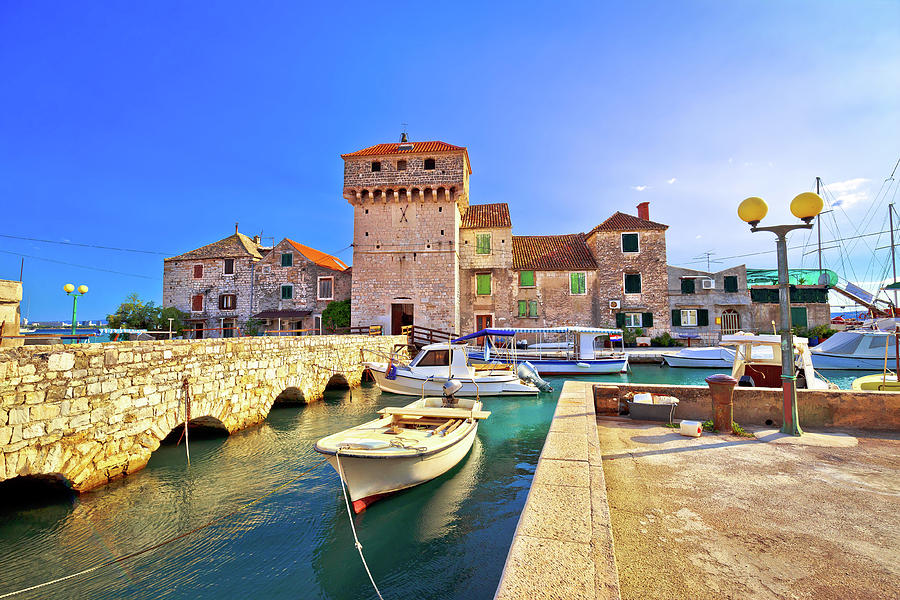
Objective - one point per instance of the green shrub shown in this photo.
(664, 340)
(336, 315)
(630, 335)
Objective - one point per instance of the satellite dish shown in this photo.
(824, 279)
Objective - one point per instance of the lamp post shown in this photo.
(70, 290)
(805, 207)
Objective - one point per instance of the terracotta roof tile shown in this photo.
(409, 148)
(479, 216)
(320, 258)
(552, 252)
(624, 222)
(236, 245)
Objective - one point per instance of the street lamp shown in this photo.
(70, 290)
(805, 207)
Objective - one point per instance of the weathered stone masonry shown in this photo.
(92, 413)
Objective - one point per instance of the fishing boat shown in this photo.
(715, 357)
(435, 364)
(574, 354)
(405, 446)
(886, 381)
(757, 362)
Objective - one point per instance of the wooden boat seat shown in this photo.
(447, 413)
(492, 367)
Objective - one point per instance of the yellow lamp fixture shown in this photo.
(753, 210)
(68, 288)
(806, 206)
(82, 289)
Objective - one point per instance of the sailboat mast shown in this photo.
(819, 229)
(893, 256)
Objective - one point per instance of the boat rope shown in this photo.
(356, 542)
(170, 540)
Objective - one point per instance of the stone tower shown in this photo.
(408, 199)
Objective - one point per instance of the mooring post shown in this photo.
(721, 388)
(187, 417)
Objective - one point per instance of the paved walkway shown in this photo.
(729, 517)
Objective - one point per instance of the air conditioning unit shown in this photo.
(615, 304)
(708, 284)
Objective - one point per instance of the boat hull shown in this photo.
(407, 384)
(597, 366)
(845, 362)
(369, 478)
(877, 383)
(701, 358)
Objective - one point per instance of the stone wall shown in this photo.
(179, 286)
(91, 413)
(765, 313)
(10, 297)
(763, 406)
(499, 304)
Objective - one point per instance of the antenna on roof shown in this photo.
(403, 137)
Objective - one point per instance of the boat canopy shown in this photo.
(508, 331)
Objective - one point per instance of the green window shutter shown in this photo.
(632, 283)
(522, 308)
(532, 308)
(731, 284)
(483, 281)
(526, 278)
(702, 317)
(287, 260)
(647, 320)
(620, 320)
(629, 242)
(798, 316)
(577, 283)
(676, 318)
(482, 243)
(687, 286)
(287, 292)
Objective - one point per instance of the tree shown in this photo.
(336, 315)
(134, 313)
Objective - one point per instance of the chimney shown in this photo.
(257, 240)
(644, 210)
(403, 138)
(235, 227)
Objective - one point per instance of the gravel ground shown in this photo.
(728, 517)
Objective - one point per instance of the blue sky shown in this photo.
(157, 126)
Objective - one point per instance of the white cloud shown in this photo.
(849, 192)
(639, 188)
(671, 181)
(698, 237)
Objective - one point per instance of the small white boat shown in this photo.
(757, 362)
(435, 364)
(855, 349)
(709, 358)
(406, 446)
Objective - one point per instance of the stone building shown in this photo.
(423, 254)
(10, 298)
(809, 306)
(708, 305)
(224, 284)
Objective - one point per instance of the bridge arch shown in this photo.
(28, 490)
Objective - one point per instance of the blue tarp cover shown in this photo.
(485, 332)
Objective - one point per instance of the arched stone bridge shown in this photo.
(91, 413)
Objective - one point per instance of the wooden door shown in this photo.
(401, 314)
(483, 322)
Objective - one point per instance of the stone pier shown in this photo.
(91, 413)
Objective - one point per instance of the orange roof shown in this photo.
(486, 215)
(410, 148)
(552, 252)
(624, 222)
(320, 258)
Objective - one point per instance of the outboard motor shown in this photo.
(527, 373)
(451, 386)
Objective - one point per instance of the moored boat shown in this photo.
(404, 447)
(708, 358)
(757, 362)
(854, 349)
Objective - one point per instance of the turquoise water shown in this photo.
(678, 376)
(447, 538)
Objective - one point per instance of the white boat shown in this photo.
(709, 358)
(575, 354)
(854, 349)
(406, 446)
(436, 363)
(757, 362)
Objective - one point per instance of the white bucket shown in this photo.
(691, 428)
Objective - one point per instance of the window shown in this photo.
(227, 301)
(435, 358)
(429, 164)
(376, 166)
(698, 317)
(287, 292)
(326, 288)
(630, 242)
(482, 243)
(632, 283)
(689, 318)
(483, 284)
(287, 259)
(523, 308)
(577, 284)
(687, 286)
(229, 266)
(731, 283)
(197, 303)
(401, 165)
(634, 320)
(198, 271)
(229, 328)
(526, 278)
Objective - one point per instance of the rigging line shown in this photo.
(31, 239)
(60, 262)
(180, 536)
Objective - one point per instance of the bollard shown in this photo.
(721, 388)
